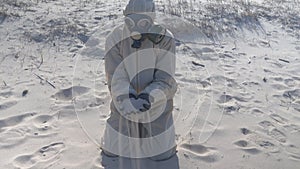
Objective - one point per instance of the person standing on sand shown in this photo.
(140, 66)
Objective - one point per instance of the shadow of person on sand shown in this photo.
(142, 163)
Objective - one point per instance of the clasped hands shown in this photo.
(135, 107)
(136, 104)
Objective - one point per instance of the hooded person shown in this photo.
(140, 68)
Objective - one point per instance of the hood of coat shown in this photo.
(140, 6)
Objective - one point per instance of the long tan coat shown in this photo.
(136, 71)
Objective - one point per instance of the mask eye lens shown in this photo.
(129, 22)
(144, 23)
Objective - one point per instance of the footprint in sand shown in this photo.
(293, 152)
(258, 140)
(265, 124)
(9, 134)
(273, 131)
(245, 146)
(278, 119)
(43, 126)
(45, 155)
(15, 120)
(7, 105)
(225, 98)
(254, 138)
(70, 93)
(98, 101)
(12, 137)
(290, 82)
(15, 130)
(6, 95)
(267, 145)
(207, 154)
(6, 100)
(278, 135)
(292, 128)
(293, 94)
(257, 112)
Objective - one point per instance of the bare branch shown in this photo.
(42, 61)
(51, 84)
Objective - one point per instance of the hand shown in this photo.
(149, 100)
(132, 106)
(126, 107)
(154, 98)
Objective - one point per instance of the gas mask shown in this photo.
(142, 27)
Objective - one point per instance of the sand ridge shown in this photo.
(237, 105)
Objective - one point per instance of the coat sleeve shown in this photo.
(116, 74)
(164, 74)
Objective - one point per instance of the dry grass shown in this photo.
(220, 18)
(216, 18)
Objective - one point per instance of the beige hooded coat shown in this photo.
(135, 71)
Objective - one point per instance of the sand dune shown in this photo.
(237, 105)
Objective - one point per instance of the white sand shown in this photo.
(240, 111)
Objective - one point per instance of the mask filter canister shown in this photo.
(137, 39)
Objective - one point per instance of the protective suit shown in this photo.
(140, 68)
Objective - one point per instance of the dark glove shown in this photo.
(126, 96)
(149, 100)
